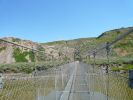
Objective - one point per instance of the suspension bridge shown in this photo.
(75, 80)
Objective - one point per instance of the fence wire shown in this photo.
(46, 85)
(110, 75)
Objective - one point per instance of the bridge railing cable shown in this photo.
(35, 85)
(109, 76)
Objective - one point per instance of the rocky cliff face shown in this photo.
(10, 53)
(6, 55)
(58, 51)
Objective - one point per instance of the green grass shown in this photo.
(16, 40)
(29, 67)
(125, 67)
(26, 89)
(19, 56)
(2, 48)
(54, 43)
(17, 68)
(118, 88)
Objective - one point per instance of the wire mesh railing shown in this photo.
(113, 86)
(49, 86)
(110, 72)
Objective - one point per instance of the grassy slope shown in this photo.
(123, 50)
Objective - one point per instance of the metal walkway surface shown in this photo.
(78, 85)
(79, 88)
(72, 81)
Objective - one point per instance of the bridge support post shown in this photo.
(94, 55)
(131, 79)
(62, 78)
(107, 67)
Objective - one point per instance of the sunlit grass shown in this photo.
(26, 89)
(116, 85)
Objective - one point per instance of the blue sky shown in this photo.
(50, 20)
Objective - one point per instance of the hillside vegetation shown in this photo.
(121, 52)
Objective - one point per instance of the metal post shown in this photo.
(66, 51)
(107, 67)
(56, 84)
(107, 50)
(94, 63)
(35, 70)
(1, 76)
(89, 57)
(35, 73)
(94, 55)
(1, 81)
(131, 79)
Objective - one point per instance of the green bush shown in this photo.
(21, 56)
(125, 67)
(29, 67)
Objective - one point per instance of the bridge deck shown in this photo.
(78, 86)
